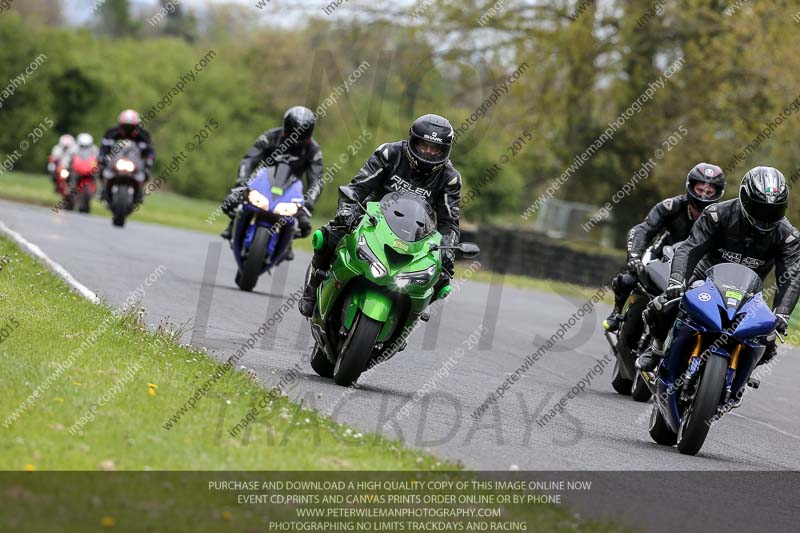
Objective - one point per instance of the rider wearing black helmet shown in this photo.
(420, 165)
(750, 230)
(705, 185)
(292, 144)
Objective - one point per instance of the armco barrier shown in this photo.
(511, 251)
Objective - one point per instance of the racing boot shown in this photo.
(309, 299)
(651, 357)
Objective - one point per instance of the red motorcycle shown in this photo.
(76, 184)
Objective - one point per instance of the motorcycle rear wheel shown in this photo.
(256, 255)
(694, 423)
(69, 201)
(357, 350)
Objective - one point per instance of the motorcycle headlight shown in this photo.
(285, 209)
(366, 254)
(64, 173)
(258, 200)
(124, 165)
(422, 277)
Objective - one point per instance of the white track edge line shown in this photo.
(59, 270)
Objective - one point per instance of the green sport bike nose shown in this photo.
(380, 282)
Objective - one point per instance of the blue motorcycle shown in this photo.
(714, 346)
(265, 225)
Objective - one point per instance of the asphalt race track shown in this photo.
(599, 430)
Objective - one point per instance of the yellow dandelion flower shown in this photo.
(107, 521)
(30, 468)
(227, 515)
(151, 390)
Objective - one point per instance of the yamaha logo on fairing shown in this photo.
(401, 185)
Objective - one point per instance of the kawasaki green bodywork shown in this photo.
(352, 284)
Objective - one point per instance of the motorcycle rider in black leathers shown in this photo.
(129, 127)
(750, 230)
(292, 144)
(420, 165)
(705, 185)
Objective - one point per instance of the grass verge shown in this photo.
(129, 381)
(90, 389)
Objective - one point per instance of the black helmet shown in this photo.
(298, 124)
(430, 140)
(705, 173)
(764, 197)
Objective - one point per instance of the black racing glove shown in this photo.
(449, 261)
(348, 215)
(673, 291)
(304, 223)
(782, 326)
(635, 266)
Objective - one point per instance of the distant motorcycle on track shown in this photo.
(265, 224)
(76, 184)
(123, 181)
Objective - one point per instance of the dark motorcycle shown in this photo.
(123, 180)
(631, 336)
(719, 336)
(265, 223)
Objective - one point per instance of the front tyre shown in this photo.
(256, 256)
(85, 200)
(695, 422)
(120, 206)
(357, 350)
(620, 384)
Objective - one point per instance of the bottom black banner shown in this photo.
(335, 502)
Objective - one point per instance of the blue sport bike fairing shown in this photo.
(711, 351)
(265, 224)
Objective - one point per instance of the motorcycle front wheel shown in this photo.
(85, 199)
(120, 206)
(640, 391)
(247, 277)
(357, 350)
(696, 420)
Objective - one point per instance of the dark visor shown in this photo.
(764, 212)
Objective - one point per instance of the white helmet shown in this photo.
(85, 140)
(66, 140)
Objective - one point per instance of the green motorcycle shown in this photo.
(379, 285)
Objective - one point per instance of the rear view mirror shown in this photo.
(469, 249)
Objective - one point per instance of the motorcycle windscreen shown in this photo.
(282, 176)
(408, 216)
(735, 283)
